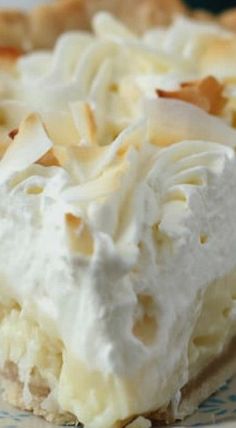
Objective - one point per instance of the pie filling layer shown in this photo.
(63, 386)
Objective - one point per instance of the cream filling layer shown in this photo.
(44, 362)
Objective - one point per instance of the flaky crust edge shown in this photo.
(209, 379)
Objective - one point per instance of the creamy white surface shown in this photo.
(160, 222)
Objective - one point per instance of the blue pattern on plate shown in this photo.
(219, 408)
(212, 413)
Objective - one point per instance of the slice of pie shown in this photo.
(117, 223)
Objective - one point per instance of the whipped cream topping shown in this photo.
(111, 245)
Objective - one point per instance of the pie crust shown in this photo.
(192, 394)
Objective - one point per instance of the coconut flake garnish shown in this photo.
(206, 93)
(171, 121)
(49, 159)
(140, 422)
(84, 121)
(28, 146)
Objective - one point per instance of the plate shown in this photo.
(219, 411)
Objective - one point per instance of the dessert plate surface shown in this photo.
(219, 411)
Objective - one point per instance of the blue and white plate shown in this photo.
(219, 411)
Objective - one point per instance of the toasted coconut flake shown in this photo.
(4, 146)
(233, 119)
(8, 57)
(202, 15)
(79, 235)
(140, 422)
(61, 128)
(61, 153)
(97, 189)
(171, 121)
(228, 19)
(85, 121)
(10, 53)
(73, 221)
(29, 145)
(212, 90)
(218, 57)
(90, 119)
(12, 113)
(88, 161)
(106, 24)
(206, 94)
(13, 133)
(49, 159)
